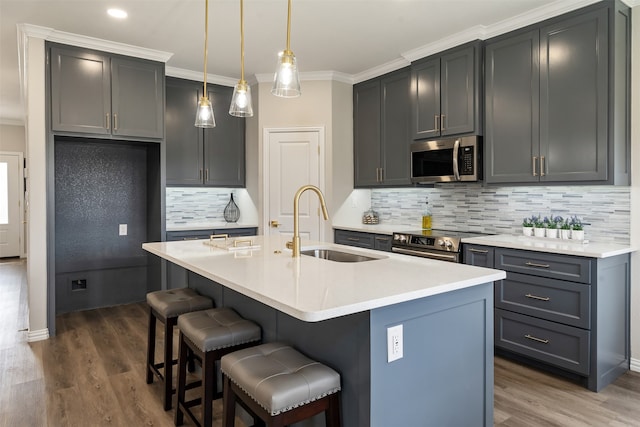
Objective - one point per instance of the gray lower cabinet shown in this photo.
(567, 313)
(380, 242)
(381, 130)
(176, 275)
(203, 157)
(446, 93)
(557, 100)
(101, 94)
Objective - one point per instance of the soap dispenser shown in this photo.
(426, 216)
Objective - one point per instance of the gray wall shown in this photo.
(12, 138)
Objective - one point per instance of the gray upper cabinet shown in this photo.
(381, 130)
(446, 93)
(203, 157)
(95, 93)
(557, 100)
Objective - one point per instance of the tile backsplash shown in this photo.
(189, 205)
(470, 207)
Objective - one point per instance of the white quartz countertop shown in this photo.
(208, 226)
(383, 228)
(312, 289)
(557, 246)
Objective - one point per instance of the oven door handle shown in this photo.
(423, 254)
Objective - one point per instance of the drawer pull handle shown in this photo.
(540, 340)
(191, 238)
(479, 251)
(382, 239)
(533, 264)
(353, 239)
(537, 297)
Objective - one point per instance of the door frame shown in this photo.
(21, 198)
(266, 133)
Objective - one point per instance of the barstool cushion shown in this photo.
(174, 302)
(217, 328)
(278, 377)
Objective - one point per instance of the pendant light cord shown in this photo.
(242, 41)
(288, 51)
(206, 41)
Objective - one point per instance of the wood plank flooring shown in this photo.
(92, 374)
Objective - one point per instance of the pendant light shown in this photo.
(241, 100)
(204, 113)
(286, 83)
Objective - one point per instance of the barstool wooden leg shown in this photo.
(332, 414)
(208, 386)
(182, 375)
(151, 346)
(168, 363)
(228, 403)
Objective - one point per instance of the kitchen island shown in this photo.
(338, 313)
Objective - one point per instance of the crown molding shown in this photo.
(473, 33)
(387, 67)
(53, 35)
(312, 76)
(197, 76)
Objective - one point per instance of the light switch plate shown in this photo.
(122, 230)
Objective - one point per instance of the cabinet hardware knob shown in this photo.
(479, 251)
(540, 340)
(537, 297)
(533, 165)
(533, 264)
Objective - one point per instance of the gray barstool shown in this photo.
(209, 334)
(166, 306)
(279, 385)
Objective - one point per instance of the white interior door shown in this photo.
(294, 161)
(10, 205)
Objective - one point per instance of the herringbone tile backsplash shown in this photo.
(470, 207)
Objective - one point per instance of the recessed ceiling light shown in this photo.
(117, 13)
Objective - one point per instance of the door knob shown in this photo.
(275, 224)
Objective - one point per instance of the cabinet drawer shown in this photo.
(549, 299)
(562, 267)
(188, 235)
(560, 345)
(354, 238)
(382, 243)
(480, 256)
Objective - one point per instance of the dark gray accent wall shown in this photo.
(98, 186)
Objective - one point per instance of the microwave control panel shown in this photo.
(466, 161)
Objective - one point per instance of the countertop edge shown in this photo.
(555, 246)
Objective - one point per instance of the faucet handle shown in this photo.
(289, 245)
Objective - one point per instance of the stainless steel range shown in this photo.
(444, 245)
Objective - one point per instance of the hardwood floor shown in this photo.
(92, 374)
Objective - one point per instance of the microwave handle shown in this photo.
(456, 149)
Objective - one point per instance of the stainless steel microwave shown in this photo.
(446, 160)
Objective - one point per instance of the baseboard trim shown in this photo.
(635, 365)
(39, 335)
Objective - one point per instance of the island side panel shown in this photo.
(446, 374)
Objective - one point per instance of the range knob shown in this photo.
(441, 242)
(448, 244)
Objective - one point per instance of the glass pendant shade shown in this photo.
(286, 83)
(204, 114)
(241, 101)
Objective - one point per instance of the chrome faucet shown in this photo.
(294, 245)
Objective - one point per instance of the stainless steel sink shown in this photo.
(337, 256)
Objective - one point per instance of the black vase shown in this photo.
(231, 211)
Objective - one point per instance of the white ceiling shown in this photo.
(356, 39)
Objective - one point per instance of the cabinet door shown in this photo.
(425, 96)
(137, 91)
(354, 238)
(574, 98)
(366, 128)
(458, 90)
(80, 91)
(183, 139)
(224, 151)
(382, 242)
(396, 107)
(511, 109)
